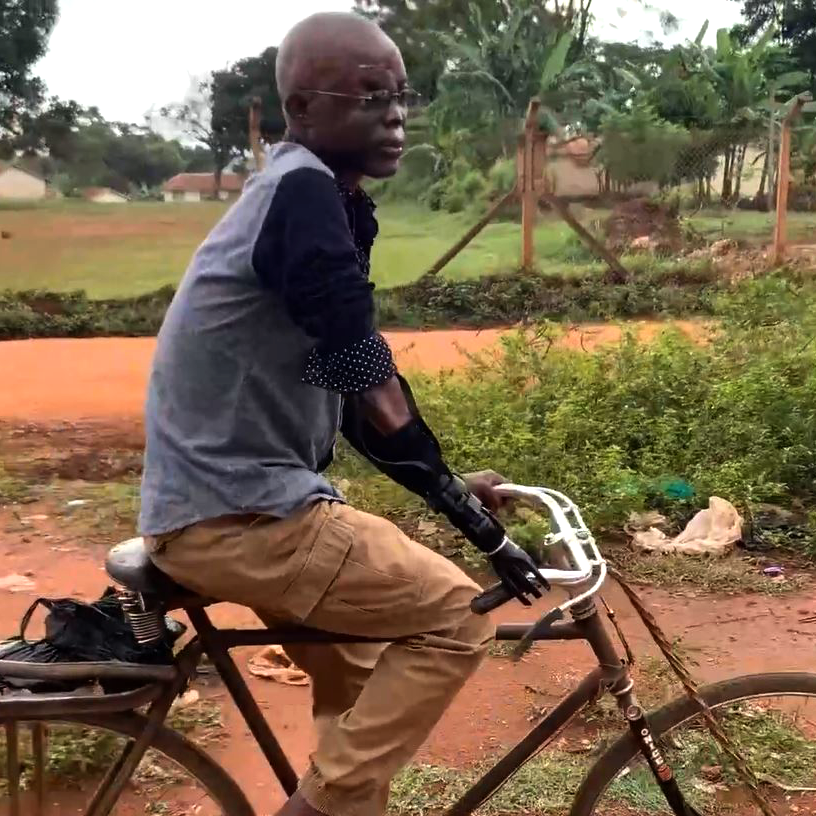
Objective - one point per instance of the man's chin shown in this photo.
(382, 168)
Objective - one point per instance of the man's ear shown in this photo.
(297, 107)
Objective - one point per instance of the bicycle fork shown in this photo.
(619, 682)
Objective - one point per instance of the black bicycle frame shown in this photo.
(612, 675)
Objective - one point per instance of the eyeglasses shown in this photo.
(377, 100)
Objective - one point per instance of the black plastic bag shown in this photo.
(78, 632)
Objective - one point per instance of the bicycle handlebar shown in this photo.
(578, 558)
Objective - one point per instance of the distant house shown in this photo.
(18, 183)
(572, 173)
(199, 186)
(104, 195)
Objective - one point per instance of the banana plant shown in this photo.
(493, 75)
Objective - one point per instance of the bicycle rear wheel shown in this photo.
(56, 767)
(771, 718)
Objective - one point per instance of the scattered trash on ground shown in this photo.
(273, 663)
(14, 582)
(714, 531)
(640, 522)
(190, 697)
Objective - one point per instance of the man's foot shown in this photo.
(298, 806)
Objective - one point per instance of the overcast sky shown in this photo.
(127, 56)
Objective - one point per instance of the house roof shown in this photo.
(9, 166)
(203, 183)
(92, 192)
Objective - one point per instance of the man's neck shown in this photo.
(349, 178)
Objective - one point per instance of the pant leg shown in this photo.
(390, 586)
(337, 569)
(338, 672)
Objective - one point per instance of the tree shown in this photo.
(51, 129)
(638, 146)
(79, 148)
(196, 159)
(412, 25)
(24, 31)
(726, 93)
(794, 22)
(141, 157)
(232, 93)
(492, 74)
(195, 118)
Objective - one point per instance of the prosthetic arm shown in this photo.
(411, 456)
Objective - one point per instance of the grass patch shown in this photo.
(202, 717)
(110, 251)
(75, 754)
(115, 251)
(106, 504)
(770, 741)
(119, 251)
(12, 489)
(732, 575)
(501, 649)
(546, 785)
(749, 226)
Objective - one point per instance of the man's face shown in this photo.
(356, 136)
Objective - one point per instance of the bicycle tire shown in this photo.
(677, 712)
(219, 785)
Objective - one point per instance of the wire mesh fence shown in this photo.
(731, 166)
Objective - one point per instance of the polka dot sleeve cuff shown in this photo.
(351, 370)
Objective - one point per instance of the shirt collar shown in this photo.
(355, 196)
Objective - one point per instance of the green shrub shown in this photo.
(434, 197)
(455, 201)
(462, 186)
(460, 167)
(494, 300)
(473, 184)
(49, 314)
(501, 178)
(735, 417)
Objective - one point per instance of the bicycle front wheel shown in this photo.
(771, 719)
(59, 766)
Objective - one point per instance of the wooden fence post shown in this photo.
(783, 179)
(529, 197)
(255, 133)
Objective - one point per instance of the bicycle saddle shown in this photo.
(129, 564)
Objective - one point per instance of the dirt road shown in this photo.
(725, 635)
(52, 384)
(100, 378)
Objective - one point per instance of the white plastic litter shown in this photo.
(714, 531)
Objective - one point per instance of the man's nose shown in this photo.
(397, 113)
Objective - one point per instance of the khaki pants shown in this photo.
(335, 568)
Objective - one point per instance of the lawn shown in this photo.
(118, 250)
(115, 250)
(752, 226)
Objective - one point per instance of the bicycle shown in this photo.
(652, 766)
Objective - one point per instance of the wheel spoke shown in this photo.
(13, 766)
(82, 766)
(771, 721)
(38, 746)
